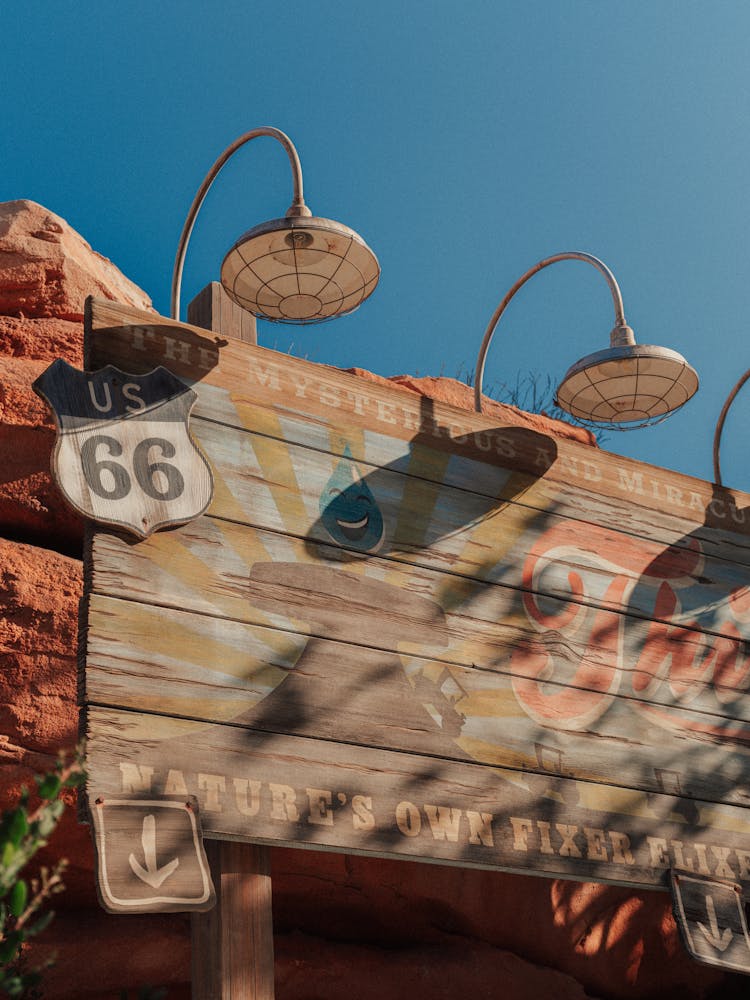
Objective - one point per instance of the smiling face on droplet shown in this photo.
(348, 509)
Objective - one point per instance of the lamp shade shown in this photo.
(628, 385)
(300, 269)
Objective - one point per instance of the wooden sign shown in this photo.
(149, 855)
(712, 921)
(124, 455)
(404, 630)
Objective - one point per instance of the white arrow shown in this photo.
(151, 874)
(714, 938)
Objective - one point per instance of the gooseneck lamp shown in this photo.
(627, 386)
(298, 269)
(719, 429)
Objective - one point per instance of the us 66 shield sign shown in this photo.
(124, 455)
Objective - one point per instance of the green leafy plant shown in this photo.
(23, 831)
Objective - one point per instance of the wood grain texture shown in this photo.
(570, 478)
(149, 854)
(212, 309)
(268, 484)
(232, 945)
(232, 950)
(391, 589)
(282, 789)
(273, 484)
(711, 919)
(193, 666)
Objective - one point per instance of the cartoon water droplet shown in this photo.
(349, 511)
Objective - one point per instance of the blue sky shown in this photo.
(464, 141)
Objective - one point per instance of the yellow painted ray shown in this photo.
(144, 629)
(354, 439)
(274, 459)
(712, 815)
(491, 753)
(225, 503)
(490, 703)
(185, 566)
(280, 479)
(210, 709)
(141, 729)
(256, 417)
(610, 799)
(172, 554)
(489, 540)
(427, 463)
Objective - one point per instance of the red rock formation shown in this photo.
(48, 269)
(346, 926)
(46, 272)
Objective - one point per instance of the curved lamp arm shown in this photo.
(567, 255)
(297, 207)
(720, 425)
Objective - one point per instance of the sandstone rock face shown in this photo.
(46, 272)
(615, 942)
(307, 969)
(30, 504)
(347, 927)
(48, 269)
(41, 339)
(39, 592)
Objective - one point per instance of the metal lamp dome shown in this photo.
(300, 269)
(297, 269)
(627, 386)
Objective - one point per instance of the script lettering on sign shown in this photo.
(692, 652)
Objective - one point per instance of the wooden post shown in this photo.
(232, 944)
(214, 310)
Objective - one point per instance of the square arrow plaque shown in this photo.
(712, 922)
(150, 856)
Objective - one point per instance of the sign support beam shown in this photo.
(232, 944)
(214, 310)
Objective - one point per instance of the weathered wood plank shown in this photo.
(305, 792)
(286, 488)
(224, 569)
(281, 395)
(194, 666)
(212, 309)
(232, 944)
(390, 596)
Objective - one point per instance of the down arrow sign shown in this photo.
(152, 874)
(717, 940)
